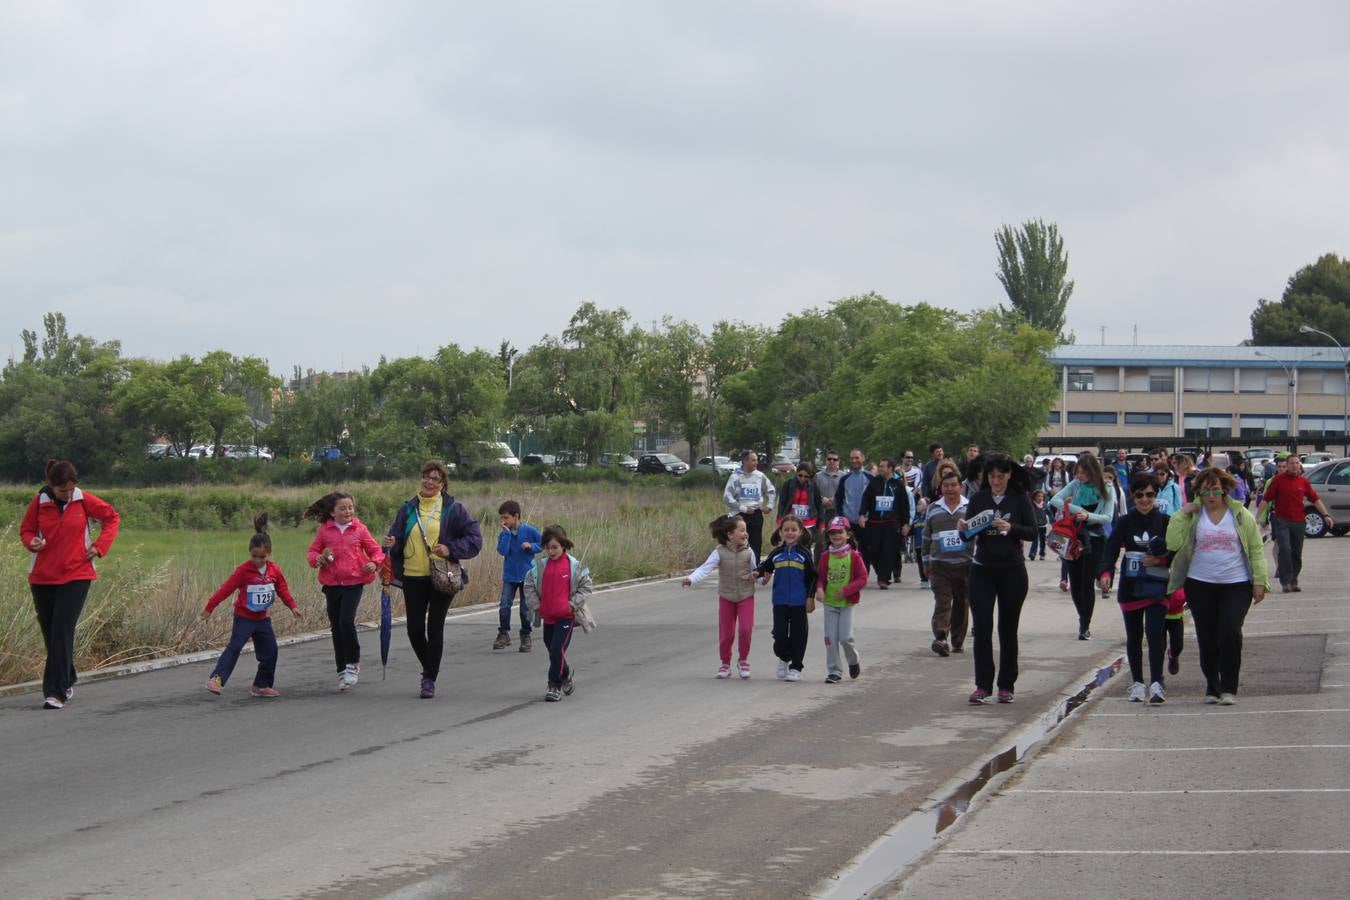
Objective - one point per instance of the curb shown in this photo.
(168, 662)
(906, 843)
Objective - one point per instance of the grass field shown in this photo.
(155, 581)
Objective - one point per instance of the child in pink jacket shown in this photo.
(347, 558)
(839, 584)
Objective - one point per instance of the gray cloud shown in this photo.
(323, 184)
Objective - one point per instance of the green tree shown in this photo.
(731, 348)
(673, 363)
(1317, 295)
(1033, 269)
(435, 407)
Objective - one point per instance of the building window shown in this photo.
(1092, 418)
(1253, 381)
(1205, 425)
(1208, 380)
(1161, 384)
(1327, 425)
(1259, 426)
(1148, 418)
(1080, 380)
(1054, 417)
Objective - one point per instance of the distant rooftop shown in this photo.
(1192, 355)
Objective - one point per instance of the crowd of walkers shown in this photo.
(1180, 535)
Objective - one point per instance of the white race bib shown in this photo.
(884, 503)
(950, 541)
(801, 511)
(259, 597)
(750, 493)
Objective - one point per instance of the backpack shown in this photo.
(1064, 537)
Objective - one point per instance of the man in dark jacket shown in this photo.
(885, 515)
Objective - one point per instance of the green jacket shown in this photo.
(1181, 541)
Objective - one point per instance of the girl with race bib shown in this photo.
(347, 558)
(259, 582)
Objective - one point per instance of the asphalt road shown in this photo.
(652, 780)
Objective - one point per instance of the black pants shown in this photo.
(789, 634)
(1083, 580)
(883, 544)
(1176, 635)
(342, 603)
(426, 609)
(556, 637)
(1037, 544)
(1005, 586)
(754, 527)
(1148, 621)
(58, 610)
(1219, 611)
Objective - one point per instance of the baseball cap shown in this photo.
(838, 523)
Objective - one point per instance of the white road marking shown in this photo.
(1236, 712)
(1186, 791)
(1145, 852)
(1209, 749)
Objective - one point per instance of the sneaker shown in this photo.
(1005, 696)
(1085, 635)
(70, 694)
(940, 647)
(1284, 588)
(833, 678)
(553, 695)
(1064, 586)
(1211, 699)
(925, 584)
(53, 703)
(854, 670)
(214, 684)
(1295, 588)
(743, 668)
(1106, 593)
(427, 690)
(1156, 694)
(724, 670)
(1138, 692)
(266, 693)
(957, 648)
(979, 696)
(570, 684)
(1173, 665)
(347, 680)
(526, 642)
(782, 669)
(1031, 558)
(883, 585)
(1042, 557)
(793, 675)
(1227, 699)
(502, 642)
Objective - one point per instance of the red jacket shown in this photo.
(66, 532)
(1286, 492)
(352, 549)
(857, 569)
(247, 576)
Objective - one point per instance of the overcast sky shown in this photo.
(323, 183)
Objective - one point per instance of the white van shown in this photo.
(501, 451)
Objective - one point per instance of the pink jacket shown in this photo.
(352, 549)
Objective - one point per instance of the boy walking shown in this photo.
(518, 542)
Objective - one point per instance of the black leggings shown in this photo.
(426, 608)
(1218, 611)
(1006, 587)
(1150, 620)
(343, 601)
(1176, 635)
(789, 634)
(1083, 580)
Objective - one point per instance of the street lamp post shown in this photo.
(1345, 374)
(1288, 398)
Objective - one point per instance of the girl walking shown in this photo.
(1087, 500)
(256, 584)
(55, 530)
(841, 576)
(556, 589)
(347, 558)
(793, 572)
(735, 564)
(998, 577)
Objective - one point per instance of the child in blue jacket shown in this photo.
(518, 543)
(793, 571)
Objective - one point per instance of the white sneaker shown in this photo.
(53, 703)
(744, 669)
(782, 669)
(1227, 699)
(1156, 694)
(793, 675)
(347, 680)
(724, 670)
(1137, 692)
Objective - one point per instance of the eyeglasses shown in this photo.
(907, 458)
(1211, 493)
(832, 459)
(1143, 494)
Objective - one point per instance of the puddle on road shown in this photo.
(917, 832)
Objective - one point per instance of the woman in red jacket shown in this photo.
(55, 530)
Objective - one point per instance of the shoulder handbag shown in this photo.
(447, 576)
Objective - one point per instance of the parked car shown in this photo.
(246, 451)
(718, 465)
(500, 451)
(538, 459)
(1070, 459)
(782, 465)
(1317, 456)
(661, 464)
(619, 458)
(327, 454)
(160, 451)
(1331, 480)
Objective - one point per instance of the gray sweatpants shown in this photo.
(839, 633)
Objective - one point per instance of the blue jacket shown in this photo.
(516, 564)
(459, 533)
(848, 496)
(794, 574)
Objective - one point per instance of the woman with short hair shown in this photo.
(55, 530)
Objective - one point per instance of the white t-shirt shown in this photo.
(1219, 557)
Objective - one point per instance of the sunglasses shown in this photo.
(832, 459)
(1211, 493)
(1146, 493)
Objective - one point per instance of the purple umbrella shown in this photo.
(386, 629)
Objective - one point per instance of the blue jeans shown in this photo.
(509, 590)
(264, 648)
